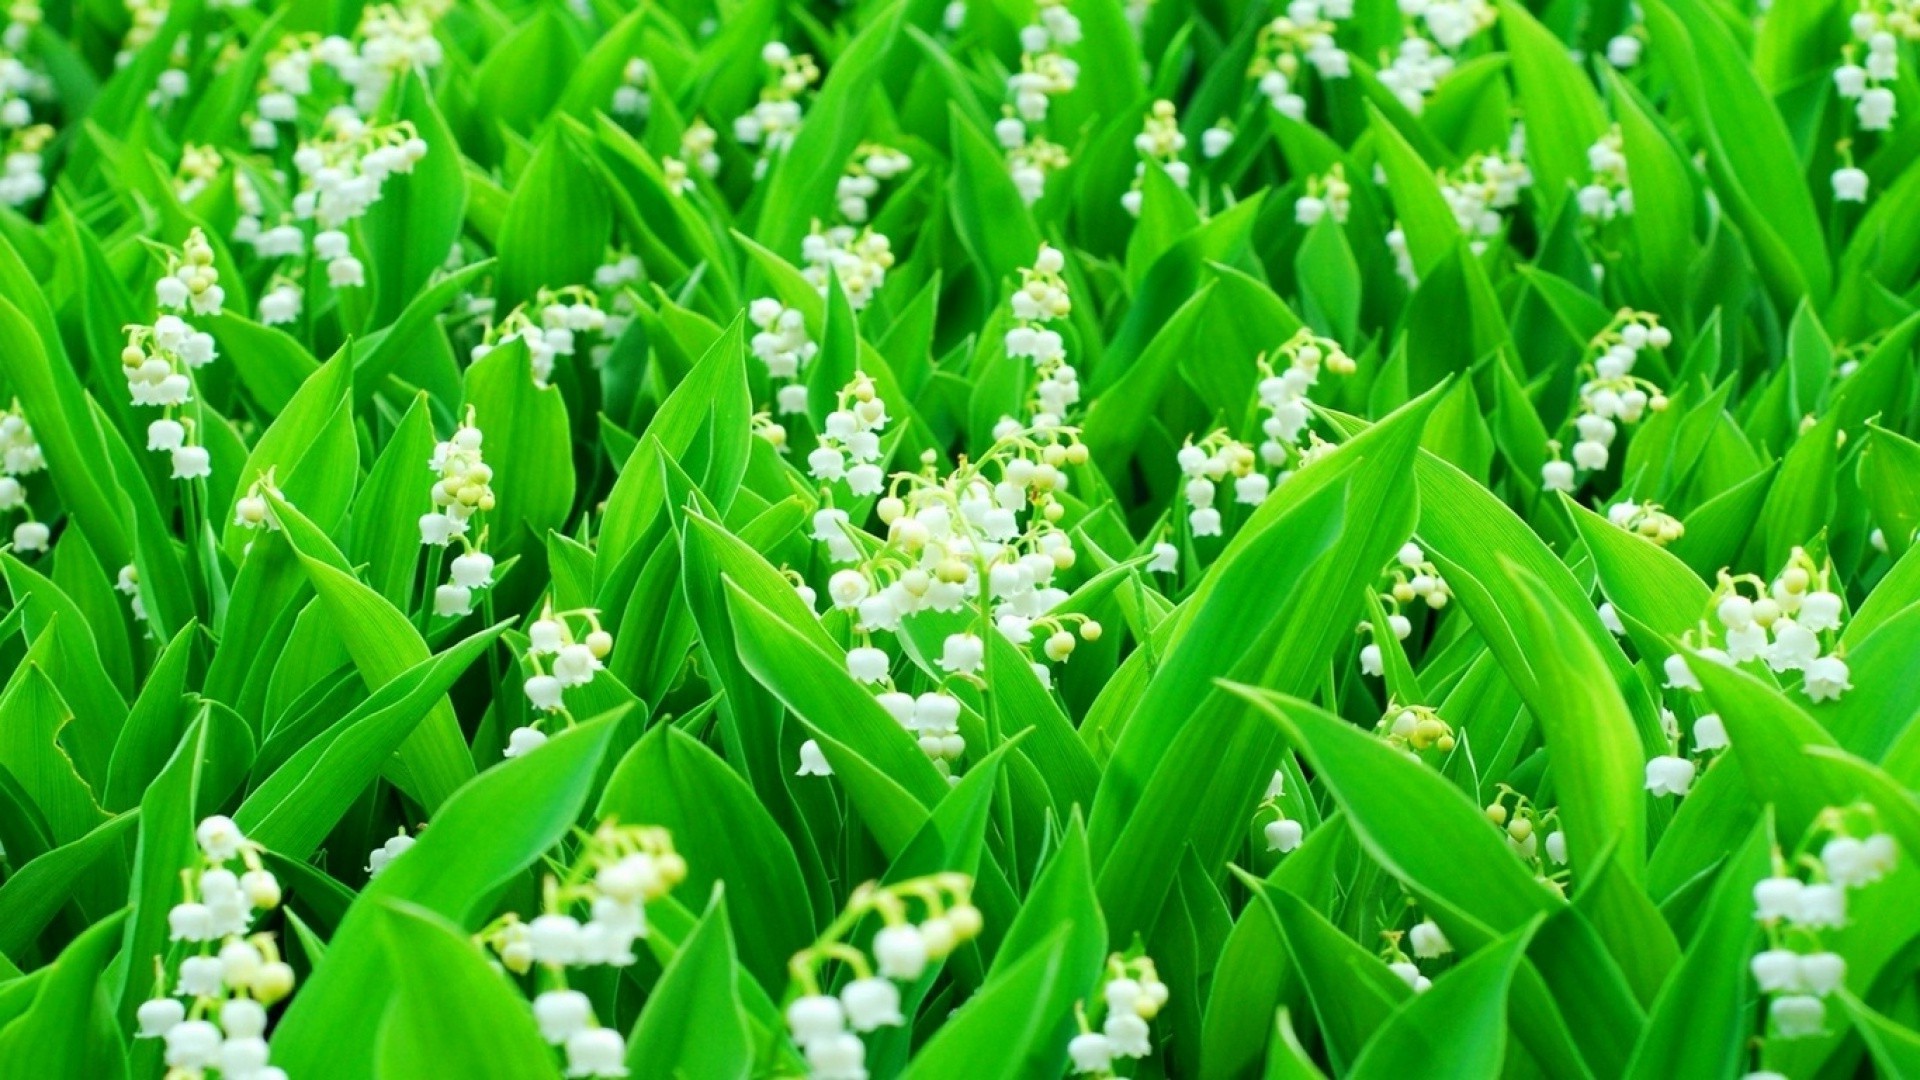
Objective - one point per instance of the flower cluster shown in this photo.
(343, 172)
(1485, 185)
(1610, 393)
(617, 872)
(390, 39)
(872, 163)
(630, 98)
(288, 78)
(1523, 826)
(1450, 22)
(1040, 301)
(1283, 395)
(783, 345)
(697, 145)
(215, 1017)
(1870, 85)
(573, 662)
(127, 584)
(827, 1026)
(1029, 159)
(1427, 941)
(1415, 578)
(1160, 140)
(20, 455)
(1796, 970)
(463, 488)
(1045, 72)
(950, 540)
(776, 117)
(1414, 728)
(158, 358)
(1303, 34)
(23, 177)
(1283, 834)
(853, 435)
(550, 327)
(1131, 998)
(1607, 194)
(1326, 196)
(191, 283)
(1208, 463)
(1793, 623)
(1415, 71)
(860, 258)
(1647, 521)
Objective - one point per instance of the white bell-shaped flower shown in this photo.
(812, 761)
(1670, 775)
(1777, 971)
(900, 952)
(1797, 1016)
(1428, 940)
(562, 1014)
(1091, 1052)
(1825, 678)
(158, 1016)
(524, 741)
(814, 1017)
(597, 1052)
(1283, 835)
(872, 1003)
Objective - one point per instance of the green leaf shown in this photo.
(452, 1012)
(471, 849)
(695, 1019)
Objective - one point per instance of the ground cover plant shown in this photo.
(1003, 538)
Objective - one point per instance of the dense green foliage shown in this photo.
(724, 538)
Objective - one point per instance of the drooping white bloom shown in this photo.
(524, 741)
(900, 951)
(812, 761)
(596, 1051)
(963, 654)
(546, 692)
(1825, 678)
(1850, 184)
(1823, 905)
(158, 1016)
(1669, 775)
(1709, 732)
(1797, 1016)
(219, 838)
(562, 1014)
(1091, 1052)
(1283, 835)
(871, 1003)
(452, 600)
(1777, 971)
(1777, 898)
(840, 1056)
(381, 857)
(818, 1016)
(1127, 1034)
(193, 1045)
(1822, 973)
(1679, 675)
(1428, 940)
